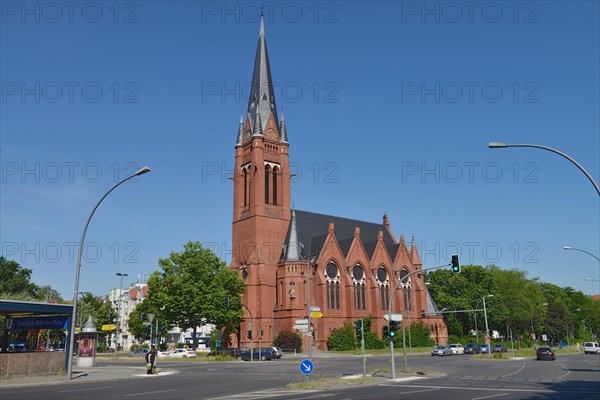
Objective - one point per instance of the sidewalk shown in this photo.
(81, 374)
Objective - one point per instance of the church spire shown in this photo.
(282, 130)
(240, 136)
(262, 95)
(294, 248)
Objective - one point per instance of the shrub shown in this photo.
(343, 338)
(419, 335)
(287, 340)
(372, 341)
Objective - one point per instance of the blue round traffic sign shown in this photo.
(306, 367)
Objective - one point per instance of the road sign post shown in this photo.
(306, 367)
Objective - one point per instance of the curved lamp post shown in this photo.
(500, 145)
(583, 251)
(74, 312)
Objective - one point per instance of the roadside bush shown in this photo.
(287, 340)
(343, 338)
(419, 335)
(372, 341)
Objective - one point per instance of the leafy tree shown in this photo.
(15, 279)
(462, 291)
(195, 288)
(287, 340)
(419, 335)
(343, 338)
(101, 311)
(46, 293)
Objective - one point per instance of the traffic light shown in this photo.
(249, 335)
(357, 327)
(393, 328)
(455, 264)
(261, 333)
(422, 313)
(386, 332)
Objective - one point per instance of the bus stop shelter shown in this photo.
(31, 315)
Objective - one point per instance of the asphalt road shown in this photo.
(574, 376)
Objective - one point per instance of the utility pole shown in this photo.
(362, 346)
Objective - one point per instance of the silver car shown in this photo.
(441, 351)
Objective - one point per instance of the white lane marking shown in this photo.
(481, 389)
(81, 390)
(408, 379)
(418, 391)
(489, 397)
(514, 373)
(158, 391)
(262, 394)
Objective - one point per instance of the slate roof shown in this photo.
(311, 232)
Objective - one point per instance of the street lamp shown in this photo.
(500, 145)
(119, 319)
(78, 269)
(583, 251)
(575, 310)
(533, 329)
(487, 330)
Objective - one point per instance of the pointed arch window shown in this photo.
(406, 291)
(358, 277)
(384, 287)
(267, 175)
(275, 175)
(246, 184)
(332, 278)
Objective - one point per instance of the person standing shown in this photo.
(151, 361)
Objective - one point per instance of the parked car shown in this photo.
(164, 354)
(591, 348)
(267, 354)
(441, 351)
(138, 353)
(472, 348)
(278, 351)
(457, 348)
(499, 348)
(484, 348)
(545, 353)
(183, 353)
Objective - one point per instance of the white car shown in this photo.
(457, 349)
(183, 353)
(591, 348)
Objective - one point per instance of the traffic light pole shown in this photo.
(362, 346)
(400, 282)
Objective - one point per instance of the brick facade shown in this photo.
(353, 265)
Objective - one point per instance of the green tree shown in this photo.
(419, 335)
(343, 338)
(195, 288)
(462, 291)
(15, 279)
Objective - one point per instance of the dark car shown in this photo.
(472, 348)
(499, 348)
(545, 353)
(484, 348)
(266, 354)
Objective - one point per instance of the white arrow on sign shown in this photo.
(302, 322)
(307, 367)
(394, 317)
(302, 328)
(314, 308)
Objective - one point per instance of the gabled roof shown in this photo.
(311, 230)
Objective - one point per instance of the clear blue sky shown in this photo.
(389, 108)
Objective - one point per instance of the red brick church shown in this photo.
(351, 266)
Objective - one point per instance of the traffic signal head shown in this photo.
(422, 313)
(455, 263)
(386, 332)
(249, 336)
(357, 326)
(393, 328)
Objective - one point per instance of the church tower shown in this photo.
(261, 198)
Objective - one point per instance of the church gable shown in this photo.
(356, 253)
